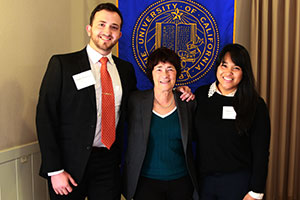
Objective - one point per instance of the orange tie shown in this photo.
(108, 132)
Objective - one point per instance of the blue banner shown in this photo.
(197, 30)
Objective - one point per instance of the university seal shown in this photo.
(184, 26)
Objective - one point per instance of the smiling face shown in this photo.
(164, 76)
(105, 31)
(229, 75)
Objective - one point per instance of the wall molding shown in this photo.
(13, 153)
(19, 172)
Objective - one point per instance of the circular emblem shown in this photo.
(183, 26)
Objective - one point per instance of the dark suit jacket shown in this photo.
(139, 120)
(66, 117)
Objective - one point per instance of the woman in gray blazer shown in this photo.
(159, 161)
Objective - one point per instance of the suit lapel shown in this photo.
(84, 65)
(183, 119)
(147, 106)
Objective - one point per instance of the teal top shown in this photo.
(165, 158)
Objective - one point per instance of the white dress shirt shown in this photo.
(94, 58)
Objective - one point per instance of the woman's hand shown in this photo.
(248, 197)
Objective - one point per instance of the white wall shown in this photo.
(31, 31)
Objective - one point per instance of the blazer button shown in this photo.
(88, 148)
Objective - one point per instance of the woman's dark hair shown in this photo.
(164, 55)
(106, 6)
(246, 97)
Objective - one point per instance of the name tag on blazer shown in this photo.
(84, 79)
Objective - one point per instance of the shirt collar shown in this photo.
(95, 56)
(213, 88)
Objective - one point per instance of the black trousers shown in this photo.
(101, 180)
(225, 186)
(150, 189)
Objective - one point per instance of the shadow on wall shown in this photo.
(17, 117)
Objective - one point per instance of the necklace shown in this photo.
(164, 107)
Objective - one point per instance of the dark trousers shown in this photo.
(150, 189)
(224, 186)
(101, 179)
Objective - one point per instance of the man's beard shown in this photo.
(103, 45)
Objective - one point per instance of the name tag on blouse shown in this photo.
(228, 112)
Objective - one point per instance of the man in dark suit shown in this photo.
(75, 160)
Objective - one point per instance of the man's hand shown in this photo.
(61, 183)
(187, 94)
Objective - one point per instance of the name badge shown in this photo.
(228, 112)
(84, 79)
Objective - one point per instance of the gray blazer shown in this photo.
(140, 106)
